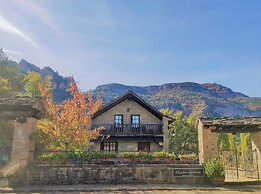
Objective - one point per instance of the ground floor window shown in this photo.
(109, 146)
(144, 146)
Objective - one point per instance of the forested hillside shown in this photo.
(202, 99)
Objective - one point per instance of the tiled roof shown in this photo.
(231, 121)
(21, 101)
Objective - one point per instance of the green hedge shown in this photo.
(70, 156)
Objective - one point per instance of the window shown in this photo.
(135, 119)
(144, 146)
(109, 146)
(118, 119)
(135, 123)
(118, 123)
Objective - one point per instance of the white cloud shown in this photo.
(8, 27)
(37, 11)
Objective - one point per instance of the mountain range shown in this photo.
(209, 99)
(202, 99)
(59, 83)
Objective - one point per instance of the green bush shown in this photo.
(160, 154)
(70, 156)
(214, 168)
(141, 155)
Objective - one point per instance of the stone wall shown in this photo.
(111, 174)
(256, 145)
(129, 145)
(207, 143)
(23, 144)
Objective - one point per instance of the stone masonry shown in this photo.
(112, 174)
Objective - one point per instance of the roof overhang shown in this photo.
(130, 96)
(12, 108)
(232, 124)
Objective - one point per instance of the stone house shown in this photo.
(131, 124)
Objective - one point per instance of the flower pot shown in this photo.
(185, 159)
(217, 181)
(126, 159)
(138, 160)
(167, 159)
(157, 159)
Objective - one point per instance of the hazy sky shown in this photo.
(139, 42)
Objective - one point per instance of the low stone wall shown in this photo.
(116, 174)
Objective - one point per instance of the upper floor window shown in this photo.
(118, 119)
(135, 119)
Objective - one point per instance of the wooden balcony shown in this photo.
(130, 129)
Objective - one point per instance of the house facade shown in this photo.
(130, 124)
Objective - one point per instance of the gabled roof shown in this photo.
(130, 95)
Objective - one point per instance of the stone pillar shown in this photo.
(207, 143)
(256, 145)
(23, 145)
(165, 135)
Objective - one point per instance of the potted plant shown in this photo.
(128, 156)
(168, 157)
(215, 171)
(107, 157)
(159, 155)
(187, 158)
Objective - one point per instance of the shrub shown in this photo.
(160, 154)
(141, 155)
(214, 168)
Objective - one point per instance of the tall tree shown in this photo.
(64, 125)
(223, 142)
(31, 80)
(183, 133)
(245, 143)
(11, 80)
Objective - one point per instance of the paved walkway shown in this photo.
(142, 188)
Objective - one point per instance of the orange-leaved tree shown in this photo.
(66, 126)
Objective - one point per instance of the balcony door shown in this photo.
(118, 123)
(135, 123)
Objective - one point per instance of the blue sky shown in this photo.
(139, 42)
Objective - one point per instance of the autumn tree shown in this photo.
(245, 143)
(66, 126)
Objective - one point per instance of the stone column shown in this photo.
(207, 143)
(23, 145)
(165, 135)
(256, 145)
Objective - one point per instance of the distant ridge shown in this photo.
(209, 99)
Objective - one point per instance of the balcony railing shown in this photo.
(130, 129)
